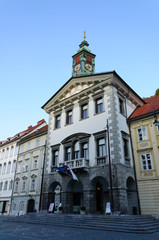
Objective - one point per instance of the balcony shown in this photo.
(102, 160)
(76, 163)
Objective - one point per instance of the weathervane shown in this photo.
(84, 35)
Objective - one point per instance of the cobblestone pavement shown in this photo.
(24, 231)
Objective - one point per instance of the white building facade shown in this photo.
(78, 137)
(28, 177)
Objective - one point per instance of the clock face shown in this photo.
(88, 67)
(77, 67)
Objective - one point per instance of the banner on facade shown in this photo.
(51, 207)
(108, 208)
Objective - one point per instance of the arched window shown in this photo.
(10, 184)
(5, 186)
(8, 167)
(13, 166)
(7, 151)
(4, 168)
(11, 151)
(3, 152)
(23, 186)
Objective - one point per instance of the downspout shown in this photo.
(132, 149)
(42, 178)
(14, 181)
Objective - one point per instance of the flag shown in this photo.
(61, 169)
(72, 173)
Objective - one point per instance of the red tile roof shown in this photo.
(151, 106)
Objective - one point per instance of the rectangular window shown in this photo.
(21, 149)
(146, 161)
(16, 150)
(84, 149)
(57, 121)
(142, 134)
(35, 163)
(1, 186)
(69, 117)
(99, 105)
(23, 186)
(101, 148)
(122, 106)
(84, 111)
(126, 148)
(37, 143)
(68, 153)
(55, 157)
(33, 184)
(16, 186)
(28, 146)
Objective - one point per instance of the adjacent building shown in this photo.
(88, 131)
(144, 124)
(8, 160)
(26, 195)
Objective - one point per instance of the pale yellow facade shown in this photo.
(145, 139)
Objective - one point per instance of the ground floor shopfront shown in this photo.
(92, 190)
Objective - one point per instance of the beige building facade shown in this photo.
(28, 178)
(145, 138)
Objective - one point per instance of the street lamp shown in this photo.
(110, 172)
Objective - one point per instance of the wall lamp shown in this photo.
(156, 123)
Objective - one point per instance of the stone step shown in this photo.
(129, 224)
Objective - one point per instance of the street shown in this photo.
(25, 231)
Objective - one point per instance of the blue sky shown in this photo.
(39, 37)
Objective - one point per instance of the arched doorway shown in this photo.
(132, 196)
(74, 196)
(31, 205)
(54, 195)
(99, 189)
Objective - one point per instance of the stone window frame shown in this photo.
(56, 115)
(126, 138)
(146, 161)
(96, 97)
(83, 103)
(142, 135)
(54, 148)
(122, 105)
(97, 137)
(70, 141)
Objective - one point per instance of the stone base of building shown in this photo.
(92, 190)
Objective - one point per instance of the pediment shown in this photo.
(33, 176)
(24, 177)
(76, 88)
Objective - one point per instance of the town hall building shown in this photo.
(88, 132)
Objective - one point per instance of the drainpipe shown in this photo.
(14, 181)
(110, 172)
(132, 150)
(42, 178)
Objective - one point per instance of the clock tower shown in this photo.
(83, 60)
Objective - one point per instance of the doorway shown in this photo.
(31, 205)
(99, 197)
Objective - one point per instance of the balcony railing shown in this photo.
(76, 163)
(102, 160)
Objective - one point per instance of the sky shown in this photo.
(39, 37)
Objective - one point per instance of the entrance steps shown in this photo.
(125, 223)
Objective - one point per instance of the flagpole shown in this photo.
(110, 172)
